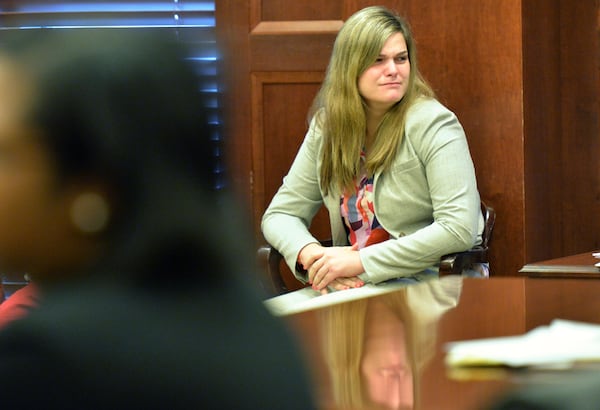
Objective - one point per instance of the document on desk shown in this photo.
(308, 299)
(561, 344)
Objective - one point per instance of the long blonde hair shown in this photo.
(340, 109)
(343, 338)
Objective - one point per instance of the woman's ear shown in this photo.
(90, 212)
(89, 206)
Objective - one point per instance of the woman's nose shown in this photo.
(390, 67)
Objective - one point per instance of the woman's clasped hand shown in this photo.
(336, 267)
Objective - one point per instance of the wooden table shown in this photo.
(575, 266)
(461, 309)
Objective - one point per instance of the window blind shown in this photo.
(192, 22)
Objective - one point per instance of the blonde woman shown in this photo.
(389, 162)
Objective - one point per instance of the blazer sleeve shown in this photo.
(285, 222)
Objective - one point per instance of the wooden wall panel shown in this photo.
(580, 132)
(542, 122)
(273, 49)
(278, 10)
(279, 125)
(562, 133)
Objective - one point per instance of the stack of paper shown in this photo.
(559, 345)
(597, 256)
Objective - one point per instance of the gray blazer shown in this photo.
(427, 201)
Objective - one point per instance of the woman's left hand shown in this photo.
(343, 284)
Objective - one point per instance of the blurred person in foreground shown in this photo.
(106, 201)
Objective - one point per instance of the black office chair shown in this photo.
(269, 259)
(456, 263)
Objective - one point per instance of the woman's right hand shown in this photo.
(309, 254)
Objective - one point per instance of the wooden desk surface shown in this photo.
(580, 265)
(460, 309)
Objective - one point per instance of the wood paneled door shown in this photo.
(277, 53)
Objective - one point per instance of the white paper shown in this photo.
(308, 299)
(561, 344)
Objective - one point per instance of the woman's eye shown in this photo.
(401, 59)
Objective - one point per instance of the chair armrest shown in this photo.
(456, 263)
(268, 260)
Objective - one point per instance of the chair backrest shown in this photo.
(489, 218)
(459, 262)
